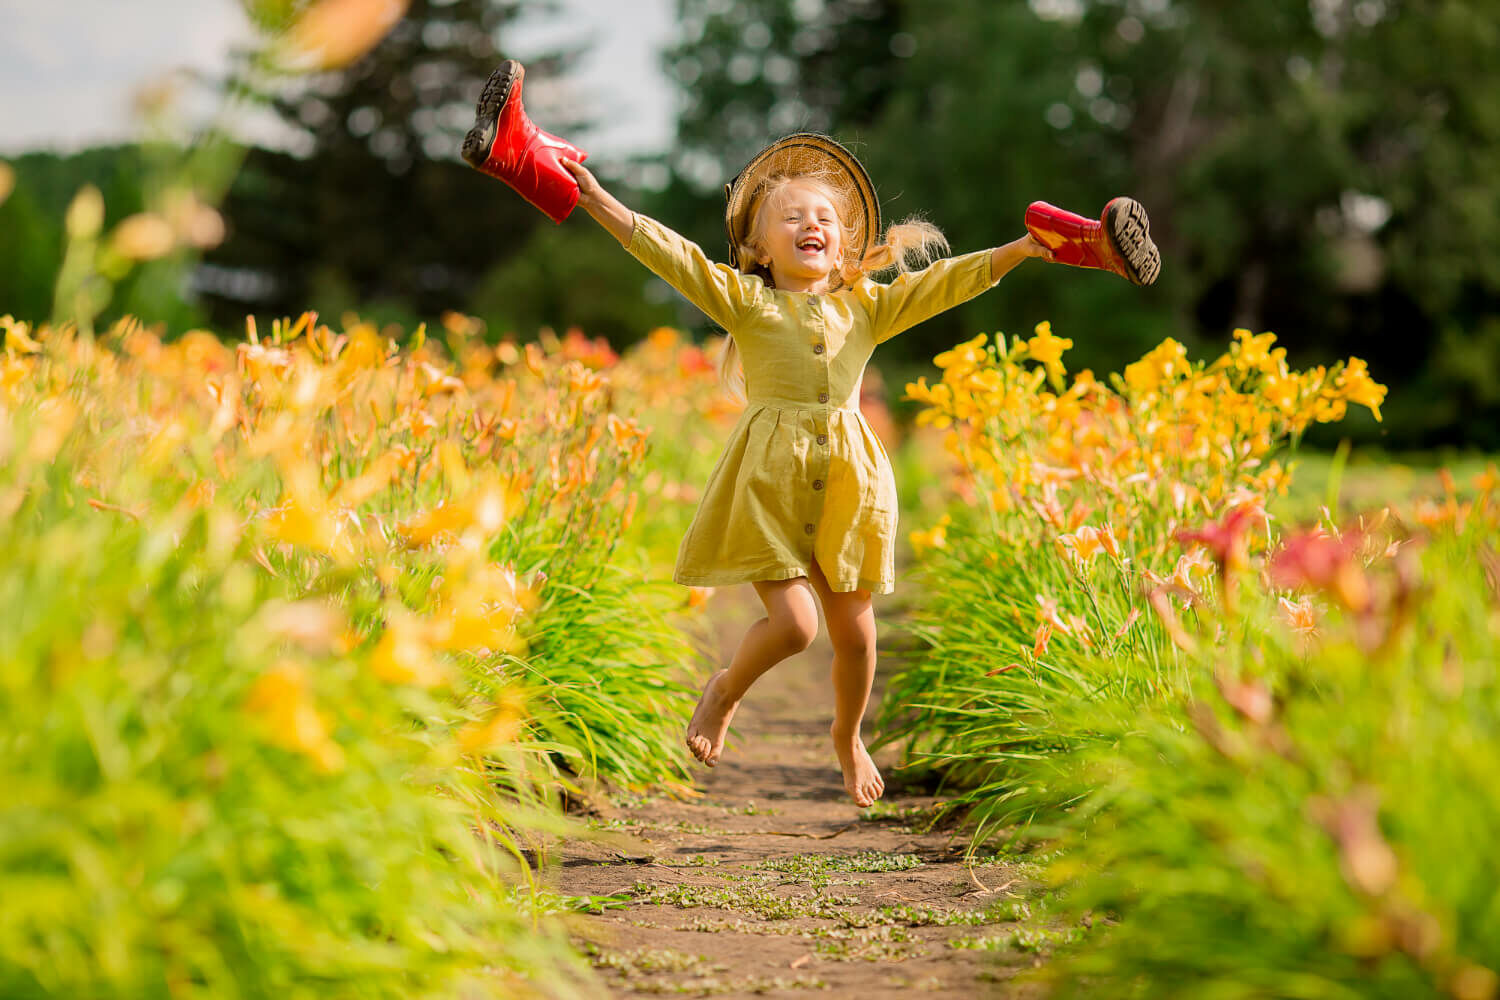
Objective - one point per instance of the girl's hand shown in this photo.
(603, 206)
(590, 191)
(1034, 247)
(1002, 259)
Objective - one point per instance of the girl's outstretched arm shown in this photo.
(1002, 259)
(603, 206)
(718, 289)
(919, 295)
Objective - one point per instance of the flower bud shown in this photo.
(86, 214)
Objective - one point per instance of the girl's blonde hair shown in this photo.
(909, 245)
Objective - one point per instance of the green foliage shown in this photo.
(994, 720)
(1335, 845)
(371, 194)
(203, 799)
(608, 666)
(1315, 169)
(268, 724)
(32, 218)
(571, 277)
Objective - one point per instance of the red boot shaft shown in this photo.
(504, 143)
(1119, 241)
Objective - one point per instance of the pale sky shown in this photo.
(69, 68)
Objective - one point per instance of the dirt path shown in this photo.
(775, 884)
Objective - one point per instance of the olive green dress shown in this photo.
(802, 475)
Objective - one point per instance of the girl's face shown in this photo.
(801, 238)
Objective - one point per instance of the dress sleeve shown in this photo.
(920, 295)
(719, 290)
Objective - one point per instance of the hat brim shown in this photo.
(804, 154)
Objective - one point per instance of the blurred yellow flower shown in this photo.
(461, 325)
(403, 655)
(17, 336)
(334, 33)
(1165, 362)
(1357, 386)
(143, 236)
(502, 725)
(364, 349)
(935, 537)
(446, 518)
(626, 433)
(375, 478)
(193, 222)
(304, 516)
(281, 700)
(663, 338)
(1082, 544)
(1254, 353)
(437, 382)
(964, 357)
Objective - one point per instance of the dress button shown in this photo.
(817, 484)
(809, 528)
(817, 348)
(822, 439)
(822, 397)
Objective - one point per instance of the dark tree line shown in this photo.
(1326, 169)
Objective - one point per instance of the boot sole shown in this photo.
(481, 137)
(1129, 232)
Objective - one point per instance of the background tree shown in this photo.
(370, 204)
(1323, 169)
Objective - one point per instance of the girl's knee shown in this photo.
(793, 614)
(796, 622)
(851, 627)
(798, 630)
(852, 641)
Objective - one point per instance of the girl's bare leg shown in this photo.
(851, 627)
(790, 625)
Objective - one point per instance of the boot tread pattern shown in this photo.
(1129, 232)
(481, 136)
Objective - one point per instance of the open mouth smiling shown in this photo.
(810, 245)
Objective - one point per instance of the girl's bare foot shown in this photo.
(861, 778)
(705, 733)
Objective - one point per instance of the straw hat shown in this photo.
(804, 153)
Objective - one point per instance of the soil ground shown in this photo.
(774, 883)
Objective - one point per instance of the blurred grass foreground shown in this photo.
(305, 641)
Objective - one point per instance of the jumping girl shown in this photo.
(803, 500)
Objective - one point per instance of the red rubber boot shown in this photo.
(504, 143)
(1120, 241)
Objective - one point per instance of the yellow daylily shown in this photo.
(1048, 349)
